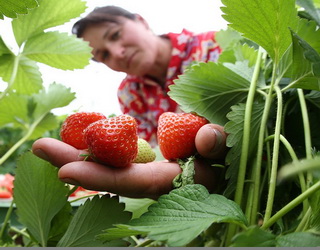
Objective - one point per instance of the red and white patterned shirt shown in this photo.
(146, 100)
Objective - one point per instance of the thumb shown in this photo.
(211, 141)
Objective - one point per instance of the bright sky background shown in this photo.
(96, 85)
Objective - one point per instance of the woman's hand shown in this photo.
(140, 180)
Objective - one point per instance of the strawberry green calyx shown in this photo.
(145, 152)
(186, 177)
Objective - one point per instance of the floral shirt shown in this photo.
(146, 100)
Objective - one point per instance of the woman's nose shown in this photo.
(117, 52)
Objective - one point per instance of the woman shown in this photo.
(124, 42)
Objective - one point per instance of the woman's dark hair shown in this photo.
(101, 15)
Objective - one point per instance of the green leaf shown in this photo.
(136, 206)
(239, 53)
(48, 123)
(35, 183)
(118, 232)
(210, 89)
(184, 213)
(309, 6)
(254, 237)
(4, 48)
(314, 98)
(234, 140)
(298, 239)
(228, 38)
(58, 50)
(28, 79)
(294, 168)
(47, 99)
(10, 8)
(265, 22)
(49, 14)
(90, 219)
(310, 54)
(60, 224)
(14, 110)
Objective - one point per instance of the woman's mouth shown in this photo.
(130, 60)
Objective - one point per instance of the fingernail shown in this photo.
(41, 154)
(219, 140)
(70, 181)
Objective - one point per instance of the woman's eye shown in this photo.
(115, 35)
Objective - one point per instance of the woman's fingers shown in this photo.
(56, 152)
(138, 180)
(211, 141)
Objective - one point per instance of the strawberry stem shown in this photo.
(186, 177)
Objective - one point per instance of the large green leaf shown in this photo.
(58, 50)
(48, 14)
(11, 8)
(28, 79)
(182, 215)
(265, 22)
(39, 195)
(210, 89)
(91, 218)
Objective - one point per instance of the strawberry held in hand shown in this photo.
(176, 134)
(72, 129)
(113, 141)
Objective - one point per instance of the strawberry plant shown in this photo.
(264, 90)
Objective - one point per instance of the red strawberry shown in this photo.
(176, 134)
(72, 129)
(113, 141)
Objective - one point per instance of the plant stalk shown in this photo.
(13, 76)
(275, 157)
(307, 133)
(295, 202)
(22, 140)
(245, 142)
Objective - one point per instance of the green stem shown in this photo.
(291, 205)
(295, 159)
(6, 219)
(22, 140)
(307, 133)
(245, 141)
(275, 157)
(13, 76)
(145, 243)
(20, 232)
(305, 219)
(261, 136)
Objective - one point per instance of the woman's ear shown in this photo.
(142, 20)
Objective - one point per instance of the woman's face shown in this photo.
(128, 46)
